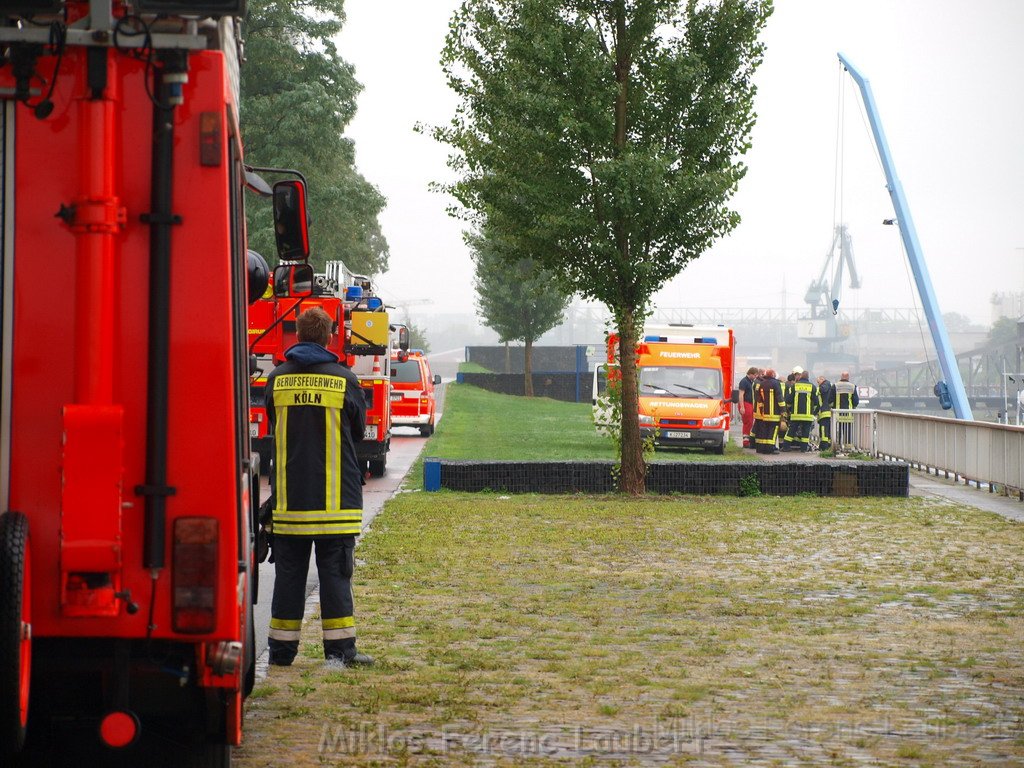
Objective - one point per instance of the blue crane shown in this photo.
(951, 390)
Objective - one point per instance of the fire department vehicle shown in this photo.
(366, 343)
(685, 375)
(413, 402)
(127, 487)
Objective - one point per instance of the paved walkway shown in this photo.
(924, 484)
(927, 484)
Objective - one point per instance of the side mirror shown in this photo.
(290, 224)
(403, 338)
(293, 281)
(735, 398)
(437, 378)
(254, 366)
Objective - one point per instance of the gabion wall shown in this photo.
(824, 478)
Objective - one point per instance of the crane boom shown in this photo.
(947, 361)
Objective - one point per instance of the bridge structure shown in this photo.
(880, 341)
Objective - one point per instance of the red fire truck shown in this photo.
(366, 343)
(126, 483)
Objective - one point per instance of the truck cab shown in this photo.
(685, 386)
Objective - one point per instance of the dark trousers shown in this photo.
(765, 434)
(799, 433)
(335, 563)
(825, 426)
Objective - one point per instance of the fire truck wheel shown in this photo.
(427, 431)
(378, 466)
(15, 630)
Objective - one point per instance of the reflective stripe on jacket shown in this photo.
(769, 399)
(801, 401)
(318, 413)
(826, 399)
(846, 398)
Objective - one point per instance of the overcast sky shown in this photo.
(946, 76)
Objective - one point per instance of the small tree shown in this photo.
(417, 336)
(515, 297)
(604, 137)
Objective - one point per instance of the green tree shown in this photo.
(605, 134)
(298, 95)
(515, 297)
(417, 335)
(1003, 330)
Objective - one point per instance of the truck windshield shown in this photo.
(405, 373)
(681, 382)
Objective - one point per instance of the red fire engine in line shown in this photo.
(127, 488)
(366, 343)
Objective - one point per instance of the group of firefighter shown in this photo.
(779, 416)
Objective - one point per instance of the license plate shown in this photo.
(678, 435)
(396, 395)
(254, 430)
(370, 433)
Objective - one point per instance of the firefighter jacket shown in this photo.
(769, 400)
(846, 398)
(826, 399)
(755, 387)
(316, 409)
(801, 400)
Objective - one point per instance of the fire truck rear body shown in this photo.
(140, 544)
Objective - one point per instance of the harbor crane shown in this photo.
(950, 390)
(823, 297)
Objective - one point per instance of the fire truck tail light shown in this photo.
(195, 575)
(209, 139)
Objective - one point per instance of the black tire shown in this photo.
(378, 466)
(427, 431)
(15, 642)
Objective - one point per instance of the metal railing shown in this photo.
(972, 451)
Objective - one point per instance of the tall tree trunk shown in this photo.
(633, 477)
(528, 368)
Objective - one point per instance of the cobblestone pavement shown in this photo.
(705, 632)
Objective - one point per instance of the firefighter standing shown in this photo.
(746, 404)
(826, 400)
(802, 405)
(316, 408)
(769, 405)
(755, 385)
(846, 399)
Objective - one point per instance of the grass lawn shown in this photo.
(473, 368)
(478, 424)
(488, 425)
(534, 630)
